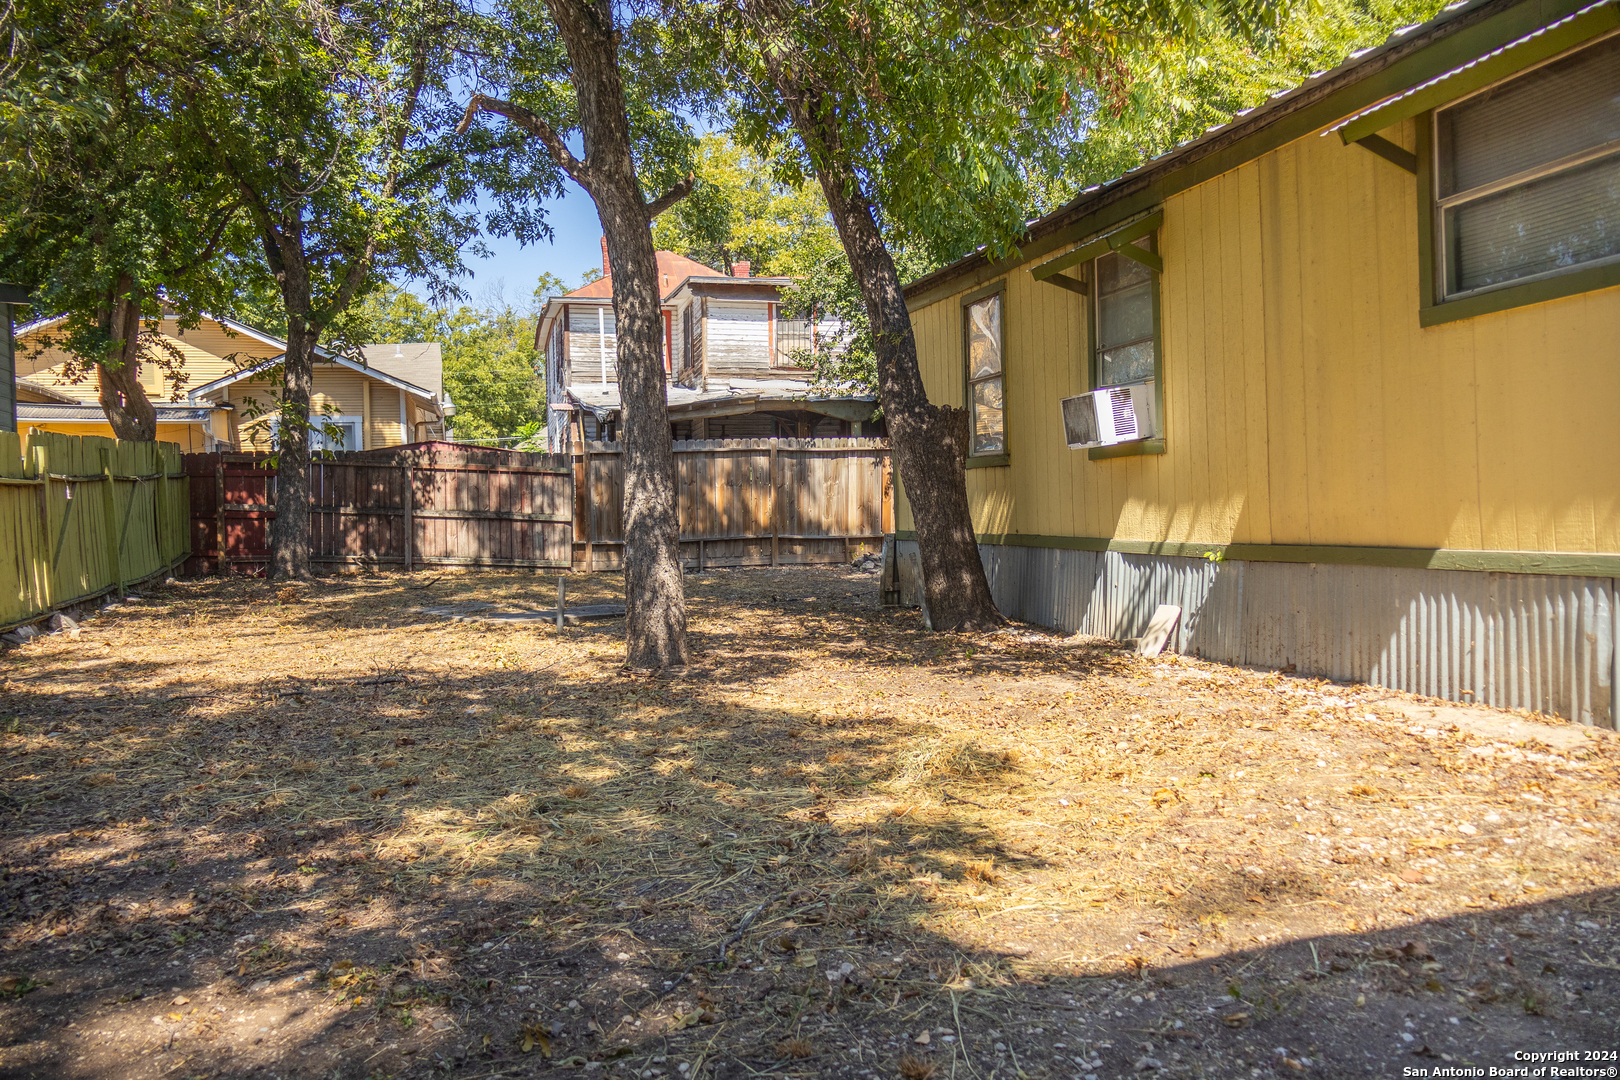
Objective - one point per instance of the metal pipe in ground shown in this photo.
(562, 600)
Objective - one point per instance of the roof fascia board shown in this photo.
(1409, 63)
(1575, 31)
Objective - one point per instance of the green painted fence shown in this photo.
(81, 516)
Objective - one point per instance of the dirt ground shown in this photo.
(266, 831)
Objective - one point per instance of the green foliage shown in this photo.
(962, 124)
(489, 356)
(739, 211)
(1186, 87)
(102, 202)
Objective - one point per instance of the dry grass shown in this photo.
(796, 1047)
(912, 1067)
(832, 768)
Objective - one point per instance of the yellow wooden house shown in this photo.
(389, 395)
(1338, 380)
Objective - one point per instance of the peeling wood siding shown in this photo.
(556, 379)
(592, 346)
(739, 341)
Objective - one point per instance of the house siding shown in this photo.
(738, 339)
(206, 353)
(338, 388)
(593, 348)
(1304, 404)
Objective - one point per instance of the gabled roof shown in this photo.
(672, 270)
(50, 394)
(324, 358)
(420, 363)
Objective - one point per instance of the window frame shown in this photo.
(1093, 363)
(996, 288)
(1437, 307)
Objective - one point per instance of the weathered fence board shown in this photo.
(81, 516)
(742, 502)
(750, 502)
(437, 505)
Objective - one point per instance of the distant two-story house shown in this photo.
(391, 394)
(732, 353)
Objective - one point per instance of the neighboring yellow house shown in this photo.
(396, 395)
(1359, 354)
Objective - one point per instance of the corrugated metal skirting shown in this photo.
(1526, 641)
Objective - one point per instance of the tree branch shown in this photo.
(671, 197)
(528, 121)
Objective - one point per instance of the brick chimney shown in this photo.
(605, 269)
(740, 269)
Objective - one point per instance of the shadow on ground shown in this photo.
(317, 834)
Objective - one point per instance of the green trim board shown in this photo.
(989, 461)
(1573, 283)
(1064, 281)
(1117, 240)
(1553, 563)
(1255, 136)
(1139, 448)
(1398, 156)
(1544, 44)
(996, 288)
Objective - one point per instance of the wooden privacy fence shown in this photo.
(742, 503)
(747, 502)
(81, 516)
(423, 505)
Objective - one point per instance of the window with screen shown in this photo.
(1527, 174)
(1125, 327)
(985, 345)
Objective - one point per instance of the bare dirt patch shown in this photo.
(309, 831)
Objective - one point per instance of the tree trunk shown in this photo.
(655, 625)
(930, 441)
(129, 410)
(289, 531)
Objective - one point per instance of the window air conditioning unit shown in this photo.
(1107, 417)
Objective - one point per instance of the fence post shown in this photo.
(219, 517)
(886, 497)
(160, 496)
(775, 555)
(583, 499)
(109, 502)
(410, 501)
(42, 470)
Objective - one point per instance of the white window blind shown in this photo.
(1528, 173)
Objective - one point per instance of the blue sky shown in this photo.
(575, 247)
